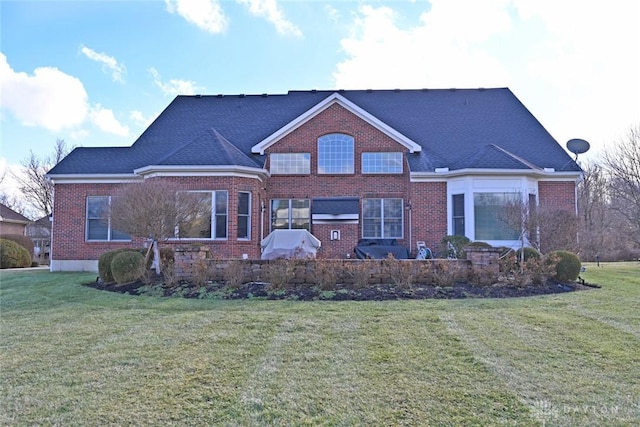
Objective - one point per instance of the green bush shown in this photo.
(127, 266)
(23, 241)
(13, 255)
(453, 246)
(529, 254)
(567, 265)
(104, 264)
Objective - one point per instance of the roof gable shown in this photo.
(209, 148)
(9, 215)
(335, 98)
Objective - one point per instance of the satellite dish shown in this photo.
(578, 146)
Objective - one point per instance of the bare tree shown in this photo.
(156, 210)
(622, 164)
(595, 222)
(33, 183)
(519, 215)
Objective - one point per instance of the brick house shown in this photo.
(12, 222)
(409, 165)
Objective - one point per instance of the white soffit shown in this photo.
(335, 98)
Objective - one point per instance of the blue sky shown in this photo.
(95, 73)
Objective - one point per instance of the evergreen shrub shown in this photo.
(127, 266)
(13, 255)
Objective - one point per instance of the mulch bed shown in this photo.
(341, 293)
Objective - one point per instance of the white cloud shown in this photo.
(442, 51)
(47, 98)
(108, 62)
(589, 56)
(205, 14)
(574, 64)
(138, 118)
(106, 121)
(269, 10)
(175, 86)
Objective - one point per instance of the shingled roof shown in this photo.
(9, 215)
(456, 128)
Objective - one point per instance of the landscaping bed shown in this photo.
(309, 292)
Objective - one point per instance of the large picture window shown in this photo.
(290, 214)
(335, 154)
(208, 220)
(290, 163)
(244, 215)
(99, 221)
(382, 162)
(488, 208)
(382, 219)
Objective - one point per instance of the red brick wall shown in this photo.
(557, 195)
(69, 220)
(429, 213)
(336, 119)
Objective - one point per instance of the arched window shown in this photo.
(335, 154)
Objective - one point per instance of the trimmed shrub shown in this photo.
(453, 246)
(23, 241)
(529, 254)
(127, 266)
(13, 255)
(567, 265)
(104, 264)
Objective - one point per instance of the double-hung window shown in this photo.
(99, 221)
(382, 219)
(244, 215)
(205, 216)
(290, 214)
(336, 154)
(457, 204)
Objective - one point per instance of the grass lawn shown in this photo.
(71, 355)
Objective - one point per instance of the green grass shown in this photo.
(72, 355)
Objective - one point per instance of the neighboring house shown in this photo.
(410, 165)
(40, 233)
(11, 222)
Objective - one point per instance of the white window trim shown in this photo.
(248, 216)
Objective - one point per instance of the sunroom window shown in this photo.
(487, 212)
